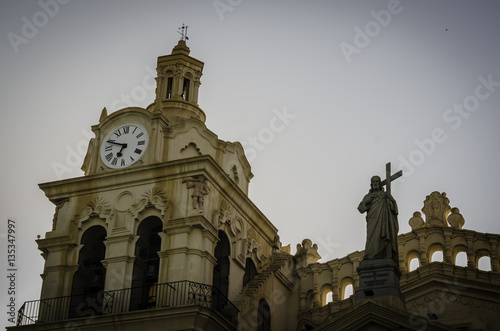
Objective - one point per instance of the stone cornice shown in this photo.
(56, 243)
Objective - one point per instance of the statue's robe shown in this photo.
(381, 226)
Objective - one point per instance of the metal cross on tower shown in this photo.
(183, 32)
(388, 178)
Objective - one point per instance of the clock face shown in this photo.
(124, 145)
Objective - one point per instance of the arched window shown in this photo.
(437, 256)
(170, 83)
(484, 263)
(146, 264)
(461, 259)
(88, 280)
(250, 271)
(221, 269)
(263, 316)
(326, 296)
(348, 290)
(414, 264)
(186, 87)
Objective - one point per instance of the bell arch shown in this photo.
(221, 269)
(88, 280)
(146, 263)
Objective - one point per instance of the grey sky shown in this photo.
(401, 85)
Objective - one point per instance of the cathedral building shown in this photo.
(159, 234)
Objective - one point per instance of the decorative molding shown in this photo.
(227, 219)
(254, 247)
(99, 207)
(190, 150)
(154, 197)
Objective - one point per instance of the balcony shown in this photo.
(158, 296)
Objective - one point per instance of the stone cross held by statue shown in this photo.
(388, 178)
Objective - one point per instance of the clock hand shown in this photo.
(114, 142)
(120, 152)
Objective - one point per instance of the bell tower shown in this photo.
(159, 226)
(177, 85)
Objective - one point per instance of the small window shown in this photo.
(185, 89)
(170, 82)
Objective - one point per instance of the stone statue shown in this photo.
(381, 223)
(200, 190)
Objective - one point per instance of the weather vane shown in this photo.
(183, 32)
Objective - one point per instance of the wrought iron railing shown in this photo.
(164, 295)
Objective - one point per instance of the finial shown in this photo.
(183, 32)
(104, 114)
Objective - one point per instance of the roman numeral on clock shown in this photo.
(122, 163)
(108, 148)
(109, 156)
(138, 151)
(115, 160)
(140, 135)
(126, 129)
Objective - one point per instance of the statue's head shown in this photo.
(376, 184)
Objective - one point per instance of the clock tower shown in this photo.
(160, 225)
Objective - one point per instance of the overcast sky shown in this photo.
(354, 85)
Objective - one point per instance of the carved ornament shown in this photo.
(99, 207)
(154, 197)
(436, 208)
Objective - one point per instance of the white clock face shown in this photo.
(124, 145)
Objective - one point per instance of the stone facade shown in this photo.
(172, 241)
